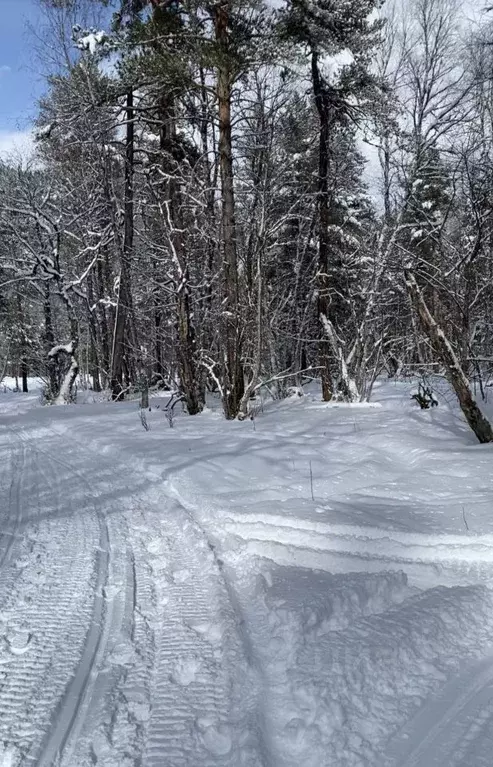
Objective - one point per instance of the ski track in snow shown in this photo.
(43, 609)
(55, 598)
(14, 463)
(59, 605)
(452, 730)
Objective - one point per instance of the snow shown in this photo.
(9, 384)
(179, 597)
(45, 131)
(67, 348)
(91, 41)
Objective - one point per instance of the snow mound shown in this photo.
(342, 693)
(315, 602)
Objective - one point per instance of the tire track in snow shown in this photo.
(180, 696)
(123, 737)
(68, 719)
(112, 726)
(254, 703)
(199, 654)
(191, 700)
(196, 715)
(185, 612)
(114, 592)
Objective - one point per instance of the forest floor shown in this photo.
(310, 589)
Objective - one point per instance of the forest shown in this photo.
(238, 196)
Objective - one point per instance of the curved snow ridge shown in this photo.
(374, 674)
(366, 543)
(364, 533)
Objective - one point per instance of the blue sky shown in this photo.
(21, 73)
(20, 82)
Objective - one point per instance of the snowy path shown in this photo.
(48, 609)
(117, 639)
(177, 597)
(56, 619)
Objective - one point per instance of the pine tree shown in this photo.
(325, 29)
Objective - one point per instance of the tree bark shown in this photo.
(186, 351)
(158, 344)
(103, 325)
(123, 303)
(455, 374)
(94, 366)
(322, 105)
(24, 374)
(23, 347)
(257, 355)
(49, 340)
(231, 341)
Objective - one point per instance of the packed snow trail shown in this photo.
(117, 639)
(178, 596)
(50, 611)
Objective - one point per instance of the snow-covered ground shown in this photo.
(310, 589)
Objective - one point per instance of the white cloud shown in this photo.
(18, 145)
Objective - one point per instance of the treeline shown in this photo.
(229, 196)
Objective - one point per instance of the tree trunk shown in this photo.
(103, 326)
(24, 372)
(455, 374)
(210, 246)
(186, 351)
(322, 105)
(158, 366)
(93, 337)
(49, 340)
(68, 351)
(23, 347)
(144, 390)
(231, 341)
(123, 303)
(65, 395)
(257, 355)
